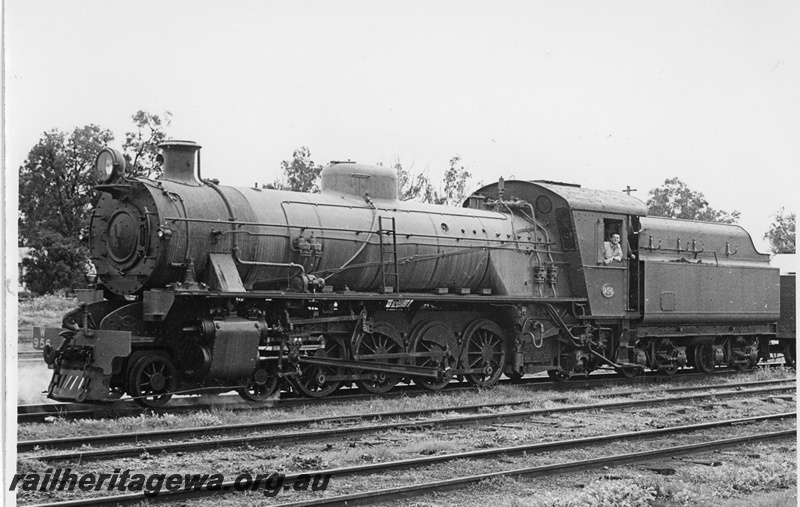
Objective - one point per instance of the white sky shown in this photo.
(605, 94)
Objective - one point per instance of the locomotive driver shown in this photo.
(612, 251)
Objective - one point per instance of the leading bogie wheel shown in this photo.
(152, 378)
(261, 386)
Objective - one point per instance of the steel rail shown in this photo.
(127, 438)
(376, 496)
(38, 412)
(449, 484)
(346, 432)
(65, 443)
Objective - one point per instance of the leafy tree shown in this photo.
(414, 187)
(675, 200)
(141, 146)
(55, 263)
(781, 233)
(55, 183)
(455, 183)
(300, 173)
(55, 195)
(419, 187)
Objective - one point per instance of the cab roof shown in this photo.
(606, 201)
(576, 197)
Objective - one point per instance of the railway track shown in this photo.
(407, 420)
(388, 494)
(32, 413)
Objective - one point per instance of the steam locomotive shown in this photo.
(209, 288)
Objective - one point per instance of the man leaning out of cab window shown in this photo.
(612, 250)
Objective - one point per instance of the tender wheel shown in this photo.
(704, 358)
(313, 379)
(630, 372)
(744, 353)
(152, 378)
(789, 352)
(558, 375)
(261, 386)
(668, 358)
(485, 348)
(669, 370)
(434, 336)
(384, 339)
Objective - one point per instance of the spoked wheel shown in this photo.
(704, 358)
(152, 379)
(789, 351)
(262, 385)
(313, 379)
(485, 348)
(384, 339)
(434, 336)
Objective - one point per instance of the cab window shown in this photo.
(611, 242)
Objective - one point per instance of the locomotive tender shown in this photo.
(214, 288)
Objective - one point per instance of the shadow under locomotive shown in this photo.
(203, 287)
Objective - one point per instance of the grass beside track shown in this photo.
(221, 415)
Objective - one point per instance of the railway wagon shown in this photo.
(209, 288)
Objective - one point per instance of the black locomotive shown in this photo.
(214, 288)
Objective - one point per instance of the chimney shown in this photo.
(179, 161)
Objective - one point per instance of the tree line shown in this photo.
(56, 195)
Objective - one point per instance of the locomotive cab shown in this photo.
(585, 221)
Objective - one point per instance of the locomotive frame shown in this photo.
(208, 288)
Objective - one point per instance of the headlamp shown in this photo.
(109, 164)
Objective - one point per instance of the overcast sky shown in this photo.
(604, 94)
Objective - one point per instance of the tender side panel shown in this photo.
(682, 293)
(701, 272)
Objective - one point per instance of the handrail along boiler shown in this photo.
(211, 288)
